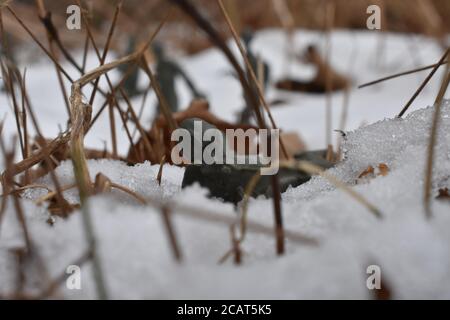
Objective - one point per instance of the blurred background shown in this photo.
(427, 17)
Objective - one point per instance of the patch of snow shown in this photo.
(411, 250)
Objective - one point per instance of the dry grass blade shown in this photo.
(329, 22)
(80, 119)
(39, 43)
(112, 124)
(106, 49)
(12, 73)
(216, 39)
(367, 84)
(274, 179)
(432, 143)
(160, 170)
(80, 115)
(254, 79)
(424, 83)
(8, 187)
(166, 215)
(247, 194)
(235, 246)
(279, 229)
(38, 156)
(52, 35)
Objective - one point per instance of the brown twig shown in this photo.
(112, 125)
(432, 143)
(35, 39)
(424, 83)
(329, 22)
(160, 170)
(252, 74)
(404, 73)
(166, 215)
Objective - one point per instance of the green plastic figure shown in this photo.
(166, 73)
(130, 85)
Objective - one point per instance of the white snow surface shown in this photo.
(412, 251)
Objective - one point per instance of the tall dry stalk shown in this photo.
(432, 143)
(424, 83)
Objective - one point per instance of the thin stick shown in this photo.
(39, 43)
(12, 92)
(8, 184)
(329, 22)
(106, 49)
(288, 23)
(252, 74)
(26, 146)
(160, 170)
(165, 212)
(127, 131)
(424, 83)
(431, 144)
(279, 230)
(216, 38)
(235, 246)
(85, 53)
(45, 18)
(147, 143)
(404, 73)
(141, 109)
(112, 125)
(52, 32)
(80, 170)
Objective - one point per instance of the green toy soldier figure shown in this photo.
(130, 84)
(247, 112)
(166, 73)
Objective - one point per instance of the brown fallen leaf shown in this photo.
(383, 169)
(443, 194)
(370, 172)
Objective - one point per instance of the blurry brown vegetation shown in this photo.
(416, 16)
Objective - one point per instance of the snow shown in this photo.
(413, 252)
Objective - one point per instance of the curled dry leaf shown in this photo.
(383, 169)
(444, 194)
(370, 172)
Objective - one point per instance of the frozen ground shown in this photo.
(413, 253)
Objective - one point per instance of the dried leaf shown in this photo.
(383, 169)
(369, 171)
(443, 194)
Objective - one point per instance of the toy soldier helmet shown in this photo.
(158, 49)
(247, 36)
